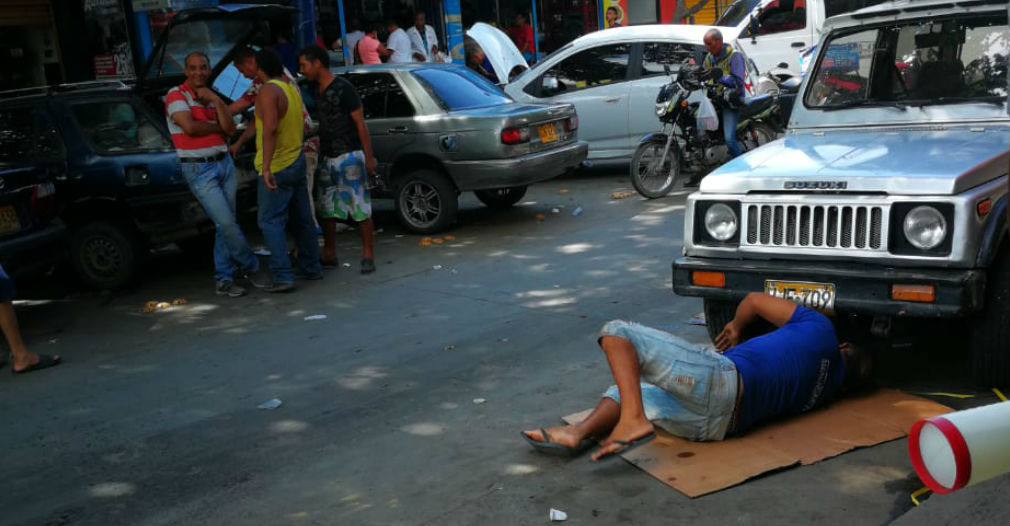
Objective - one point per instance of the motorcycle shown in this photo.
(680, 146)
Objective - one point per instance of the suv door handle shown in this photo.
(398, 130)
(612, 100)
(798, 45)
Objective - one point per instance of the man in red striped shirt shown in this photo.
(200, 124)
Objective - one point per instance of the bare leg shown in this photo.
(329, 239)
(367, 229)
(598, 423)
(9, 324)
(632, 424)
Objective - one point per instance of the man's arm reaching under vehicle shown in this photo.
(776, 311)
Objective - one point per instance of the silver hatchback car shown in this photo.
(438, 130)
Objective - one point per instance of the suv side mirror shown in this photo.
(753, 27)
(549, 84)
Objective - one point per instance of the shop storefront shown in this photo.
(29, 50)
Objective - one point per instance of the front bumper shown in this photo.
(519, 171)
(860, 289)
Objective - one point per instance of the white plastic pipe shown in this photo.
(957, 450)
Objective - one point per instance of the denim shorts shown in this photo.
(688, 391)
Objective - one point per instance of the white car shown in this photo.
(612, 78)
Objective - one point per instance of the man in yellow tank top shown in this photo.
(282, 187)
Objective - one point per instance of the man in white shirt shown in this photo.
(423, 40)
(398, 42)
(354, 35)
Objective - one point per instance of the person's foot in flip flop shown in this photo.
(34, 362)
(565, 440)
(624, 437)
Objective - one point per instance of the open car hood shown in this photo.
(217, 31)
(499, 49)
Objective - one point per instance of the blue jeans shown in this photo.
(292, 192)
(214, 186)
(687, 391)
(730, 119)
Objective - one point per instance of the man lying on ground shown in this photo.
(701, 394)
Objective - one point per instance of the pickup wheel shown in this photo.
(990, 341)
(720, 312)
(501, 198)
(106, 255)
(426, 201)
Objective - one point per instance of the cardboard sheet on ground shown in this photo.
(698, 468)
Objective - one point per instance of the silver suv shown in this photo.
(887, 198)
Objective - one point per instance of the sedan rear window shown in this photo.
(460, 89)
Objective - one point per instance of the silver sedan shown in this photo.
(438, 130)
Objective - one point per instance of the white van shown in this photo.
(775, 32)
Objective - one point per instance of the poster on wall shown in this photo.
(108, 42)
(615, 13)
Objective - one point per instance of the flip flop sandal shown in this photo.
(553, 448)
(627, 446)
(45, 361)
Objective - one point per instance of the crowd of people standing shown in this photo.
(293, 167)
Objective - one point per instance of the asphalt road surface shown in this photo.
(153, 418)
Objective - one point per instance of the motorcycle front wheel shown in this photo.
(652, 176)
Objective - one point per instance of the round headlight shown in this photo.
(925, 227)
(661, 108)
(720, 222)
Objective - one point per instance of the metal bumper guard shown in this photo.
(519, 171)
(862, 289)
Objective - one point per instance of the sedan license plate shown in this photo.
(548, 133)
(819, 296)
(9, 221)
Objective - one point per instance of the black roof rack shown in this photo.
(63, 88)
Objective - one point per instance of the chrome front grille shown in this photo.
(835, 226)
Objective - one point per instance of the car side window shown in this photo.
(593, 67)
(781, 16)
(116, 127)
(381, 96)
(657, 55)
(49, 145)
(16, 134)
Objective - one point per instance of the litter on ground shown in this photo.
(450, 238)
(697, 319)
(272, 403)
(179, 301)
(577, 211)
(449, 347)
(315, 317)
(557, 515)
(563, 191)
(479, 401)
(540, 217)
(436, 267)
(621, 195)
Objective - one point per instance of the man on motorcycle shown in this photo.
(729, 88)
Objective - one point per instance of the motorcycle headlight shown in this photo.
(925, 228)
(661, 108)
(720, 222)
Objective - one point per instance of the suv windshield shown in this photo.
(460, 89)
(213, 37)
(915, 63)
(736, 12)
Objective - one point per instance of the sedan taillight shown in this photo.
(572, 123)
(515, 135)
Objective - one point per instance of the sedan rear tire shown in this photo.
(501, 198)
(426, 201)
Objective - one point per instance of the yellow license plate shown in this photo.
(9, 220)
(819, 296)
(548, 133)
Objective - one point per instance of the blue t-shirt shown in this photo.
(789, 370)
